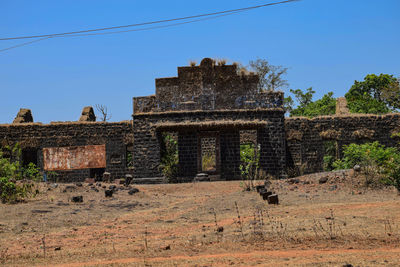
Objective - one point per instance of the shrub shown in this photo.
(11, 171)
(10, 192)
(31, 172)
(250, 168)
(169, 158)
(208, 162)
(379, 164)
(330, 155)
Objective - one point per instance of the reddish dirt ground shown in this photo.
(328, 224)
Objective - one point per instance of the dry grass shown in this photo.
(169, 225)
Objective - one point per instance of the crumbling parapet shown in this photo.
(24, 116)
(87, 114)
(341, 106)
(208, 87)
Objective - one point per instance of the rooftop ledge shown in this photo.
(209, 111)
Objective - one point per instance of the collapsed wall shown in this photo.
(88, 148)
(307, 138)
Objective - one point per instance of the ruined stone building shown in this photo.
(210, 110)
(208, 103)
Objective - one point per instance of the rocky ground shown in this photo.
(321, 220)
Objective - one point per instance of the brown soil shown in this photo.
(174, 225)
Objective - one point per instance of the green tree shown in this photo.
(271, 77)
(376, 94)
(309, 108)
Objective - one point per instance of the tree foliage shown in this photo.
(271, 77)
(309, 108)
(376, 94)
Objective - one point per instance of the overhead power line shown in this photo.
(115, 32)
(24, 44)
(72, 33)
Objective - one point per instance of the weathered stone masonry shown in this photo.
(306, 137)
(33, 137)
(208, 100)
(205, 101)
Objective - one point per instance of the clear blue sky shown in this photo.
(326, 44)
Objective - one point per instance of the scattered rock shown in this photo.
(293, 181)
(77, 199)
(57, 248)
(113, 188)
(357, 168)
(323, 180)
(262, 191)
(347, 265)
(266, 194)
(220, 229)
(69, 188)
(108, 193)
(78, 184)
(133, 191)
(54, 186)
(98, 184)
(259, 187)
(128, 179)
(273, 199)
(167, 247)
(106, 177)
(94, 189)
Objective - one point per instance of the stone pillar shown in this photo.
(24, 116)
(87, 114)
(230, 154)
(272, 150)
(341, 106)
(187, 150)
(146, 151)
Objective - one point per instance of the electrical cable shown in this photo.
(147, 23)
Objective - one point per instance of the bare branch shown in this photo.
(102, 109)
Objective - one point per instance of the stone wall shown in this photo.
(208, 87)
(147, 128)
(33, 137)
(306, 137)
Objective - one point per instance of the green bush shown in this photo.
(249, 167)
(11, 170)
(11, 192)
(31, 172)
(169, 158)
(379, 164)
(330, 155)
